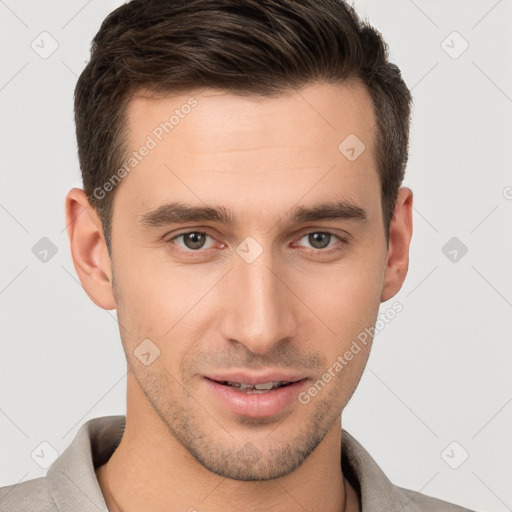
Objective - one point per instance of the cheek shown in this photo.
(346, 295)
(349, 306)
(161, 301)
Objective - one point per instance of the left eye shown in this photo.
(193, 240)
(320, 239)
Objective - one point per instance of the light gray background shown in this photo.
(438, 373)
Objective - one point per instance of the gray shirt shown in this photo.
(70, 484)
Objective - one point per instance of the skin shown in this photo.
(295, 307)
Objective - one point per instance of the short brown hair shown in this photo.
(262, 47)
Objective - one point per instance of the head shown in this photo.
(279, 131)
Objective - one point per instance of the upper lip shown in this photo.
(253, 378)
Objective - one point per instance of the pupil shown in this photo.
(315, 239)
(194, 240)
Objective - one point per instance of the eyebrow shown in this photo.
(176, 212)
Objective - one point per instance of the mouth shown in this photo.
(255, 395)
(264, 387)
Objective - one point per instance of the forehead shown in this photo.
(212, 146)
(295, 117)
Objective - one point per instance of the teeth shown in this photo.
(266, 386)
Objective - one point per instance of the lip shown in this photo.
(253, 378)
(255, 405)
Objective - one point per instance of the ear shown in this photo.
(88, 249)
(400, 233)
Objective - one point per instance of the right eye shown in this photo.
(192, 241)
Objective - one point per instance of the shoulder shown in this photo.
(33, 495)
(376, 491)
(417, 502)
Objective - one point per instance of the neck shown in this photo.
(150, 470)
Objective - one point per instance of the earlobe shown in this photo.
(88, 249)
(400, 234)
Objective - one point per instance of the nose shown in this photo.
(258, 306)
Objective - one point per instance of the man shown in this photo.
(242, 212)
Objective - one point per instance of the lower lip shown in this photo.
(256, 405)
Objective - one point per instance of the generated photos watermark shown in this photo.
(151, 142)
(355, 348)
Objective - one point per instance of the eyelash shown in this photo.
(342, 240)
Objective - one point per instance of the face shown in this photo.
(268, 271)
